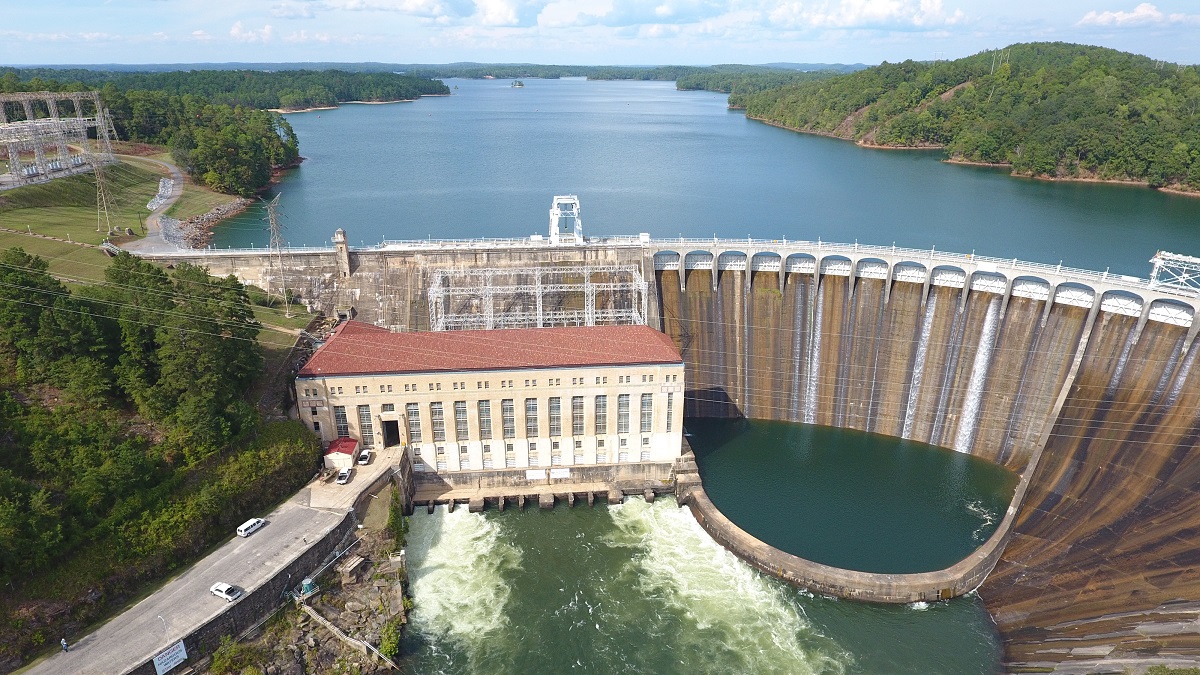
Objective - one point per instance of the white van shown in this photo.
(247, 528)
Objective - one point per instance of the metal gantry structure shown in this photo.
(42, 143)
(1172, 270)
(537, 297)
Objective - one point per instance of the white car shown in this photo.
(364, 458)
(225, 591)
(344, 476)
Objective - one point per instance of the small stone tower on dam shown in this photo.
(1081, 381)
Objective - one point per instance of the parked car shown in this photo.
(225, 591)
(344, 476)
(247, 528)
(365, 457)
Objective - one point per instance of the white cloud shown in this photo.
(98, 37)
(508, 12)
(292, 10)
(657, 12)
(1142, 15)
(33, 37)
(201, 36)
(239, 33)
(159, 36)
(888, 14)
(305, 36)
(423, 8)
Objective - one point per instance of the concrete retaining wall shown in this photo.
(962, 578)
(258, 603)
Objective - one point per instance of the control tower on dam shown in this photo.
(1083, 382)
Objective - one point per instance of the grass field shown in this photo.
(67, 206)
(67, 261)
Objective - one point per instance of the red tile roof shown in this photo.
(358, 348)
(343, 445)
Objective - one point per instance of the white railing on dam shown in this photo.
(892, 254)
(481, 244)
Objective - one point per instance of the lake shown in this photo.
(645, 158)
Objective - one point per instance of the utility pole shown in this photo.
(277, 246)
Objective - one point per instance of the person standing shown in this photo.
(63, 642)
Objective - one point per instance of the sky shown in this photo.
(578, 32)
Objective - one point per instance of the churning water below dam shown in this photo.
(850, 499)
(641, 588)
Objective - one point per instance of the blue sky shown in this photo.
(578, 31)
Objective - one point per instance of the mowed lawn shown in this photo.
(67, 261)
(66, 207)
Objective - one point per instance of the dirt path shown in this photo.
(153, 242)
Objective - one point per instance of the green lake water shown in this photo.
(850, 499)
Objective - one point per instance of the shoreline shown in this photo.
(997, 165)
(288, 111)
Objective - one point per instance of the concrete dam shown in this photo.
(1082, 382)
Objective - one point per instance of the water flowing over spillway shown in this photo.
(979, 372)
(918, 369)
(814, 360)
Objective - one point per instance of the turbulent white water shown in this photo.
(456, 563)
(740, 619)
(979, 370)
(914, 387)
(986, 518)
(814, 361)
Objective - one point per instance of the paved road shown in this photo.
(185, 603)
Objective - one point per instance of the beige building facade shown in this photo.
(569, 396)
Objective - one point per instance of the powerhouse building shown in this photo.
(499, 399)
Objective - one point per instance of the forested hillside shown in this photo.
(1047, 109)
(231, 149)
(127, 446)
(739, 82)
(289, 89)
(215, 122)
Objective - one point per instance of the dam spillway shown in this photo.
(1005, 360)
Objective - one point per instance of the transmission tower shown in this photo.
(103, 198)
(98, 156)
(277, 245)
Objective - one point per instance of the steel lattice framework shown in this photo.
(537, 297)
(59, 144)
(1176, 271)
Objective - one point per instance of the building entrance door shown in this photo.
(391, 433)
